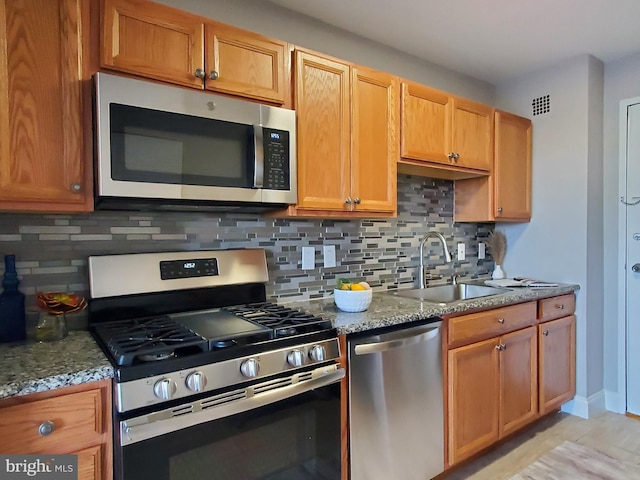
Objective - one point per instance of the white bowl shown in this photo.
(352, 300)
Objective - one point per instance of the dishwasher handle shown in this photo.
(410, 339)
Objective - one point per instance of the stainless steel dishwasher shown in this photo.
(396, 403)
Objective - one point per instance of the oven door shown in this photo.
(285, 428)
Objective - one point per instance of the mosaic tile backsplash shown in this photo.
(52, 250)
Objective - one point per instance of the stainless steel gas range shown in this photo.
(211, 381)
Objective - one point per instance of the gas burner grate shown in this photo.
(282, 320)
(147, 338)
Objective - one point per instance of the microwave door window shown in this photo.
(160, 147)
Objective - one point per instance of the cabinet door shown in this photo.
(472, 134)
(42, 155)
(246, 64)
(426, 123)
(518, 380)
(474, 397)
(557, 346)
(152, 40)
(374, 140)
(323, 132)
(512, 175)
(90, 463)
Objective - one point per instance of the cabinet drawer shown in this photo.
(76, 419)
(556, 307)
(490, 323)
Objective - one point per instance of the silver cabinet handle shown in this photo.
(410, 339)
(46, 428)
(456, 156)
(498, 347)
(504, 346)
(356, 201)
(636, 267)
(450, 156)
(347, 200)
(76, 187)
(560, 306)
(499, 209)
(501, 320)
(213, 75)
(545, 333)
(200, 73)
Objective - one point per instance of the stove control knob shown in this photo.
(165, 388)
(295, 358)
(250, 367)
(196, 381)
(317, 353)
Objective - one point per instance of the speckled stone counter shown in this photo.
(387, 309)
(37, 367)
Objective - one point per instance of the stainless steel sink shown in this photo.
(450, 293)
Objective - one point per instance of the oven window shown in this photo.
(162, 147)
(298, 438)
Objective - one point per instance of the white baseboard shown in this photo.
(613, 402)
(585, 407)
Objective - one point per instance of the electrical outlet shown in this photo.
(482, 251)
(308, 258)
(461, 252)
(329, 253)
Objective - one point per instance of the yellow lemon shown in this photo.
(357, 286)
(345, 286)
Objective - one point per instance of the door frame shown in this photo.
(622, 251)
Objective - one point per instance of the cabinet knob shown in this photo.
(545, 332)
(498, 347)
(504, 346)
(501, 320)
(560, 306)
(46, 428)
(213, 75)
(636, 268)
(356, 201)
(200, 73)
(450, 156)
(456, 156)
(499, 209)
(347, 200)
(76, 187)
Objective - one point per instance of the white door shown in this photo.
(632, 240)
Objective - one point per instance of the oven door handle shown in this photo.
(229, 403)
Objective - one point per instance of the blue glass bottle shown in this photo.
(12, 313)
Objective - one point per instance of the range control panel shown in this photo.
(198, 267)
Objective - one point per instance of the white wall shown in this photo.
(562, 243)
(274, 21)
(622, 81)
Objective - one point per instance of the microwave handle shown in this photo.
(258, 148)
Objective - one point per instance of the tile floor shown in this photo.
(611, 433)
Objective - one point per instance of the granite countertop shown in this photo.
(387, 309)
(36, 367)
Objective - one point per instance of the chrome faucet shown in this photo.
(447, 255)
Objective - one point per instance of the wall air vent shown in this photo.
(541, 105)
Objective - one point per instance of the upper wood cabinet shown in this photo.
(44, 106)
(347, 119)
(506, 195)
(159, 42)
(77, 419)
(444, 133)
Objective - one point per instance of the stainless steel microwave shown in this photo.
(169, 148)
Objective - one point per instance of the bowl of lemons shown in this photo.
(350, 296)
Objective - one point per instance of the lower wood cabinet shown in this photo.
(70, 420)
(496, 386)
(492, 391)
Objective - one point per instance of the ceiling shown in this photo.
(491, 40)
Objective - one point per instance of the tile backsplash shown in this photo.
(52, 250)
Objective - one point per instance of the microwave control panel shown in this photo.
(276, 159)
